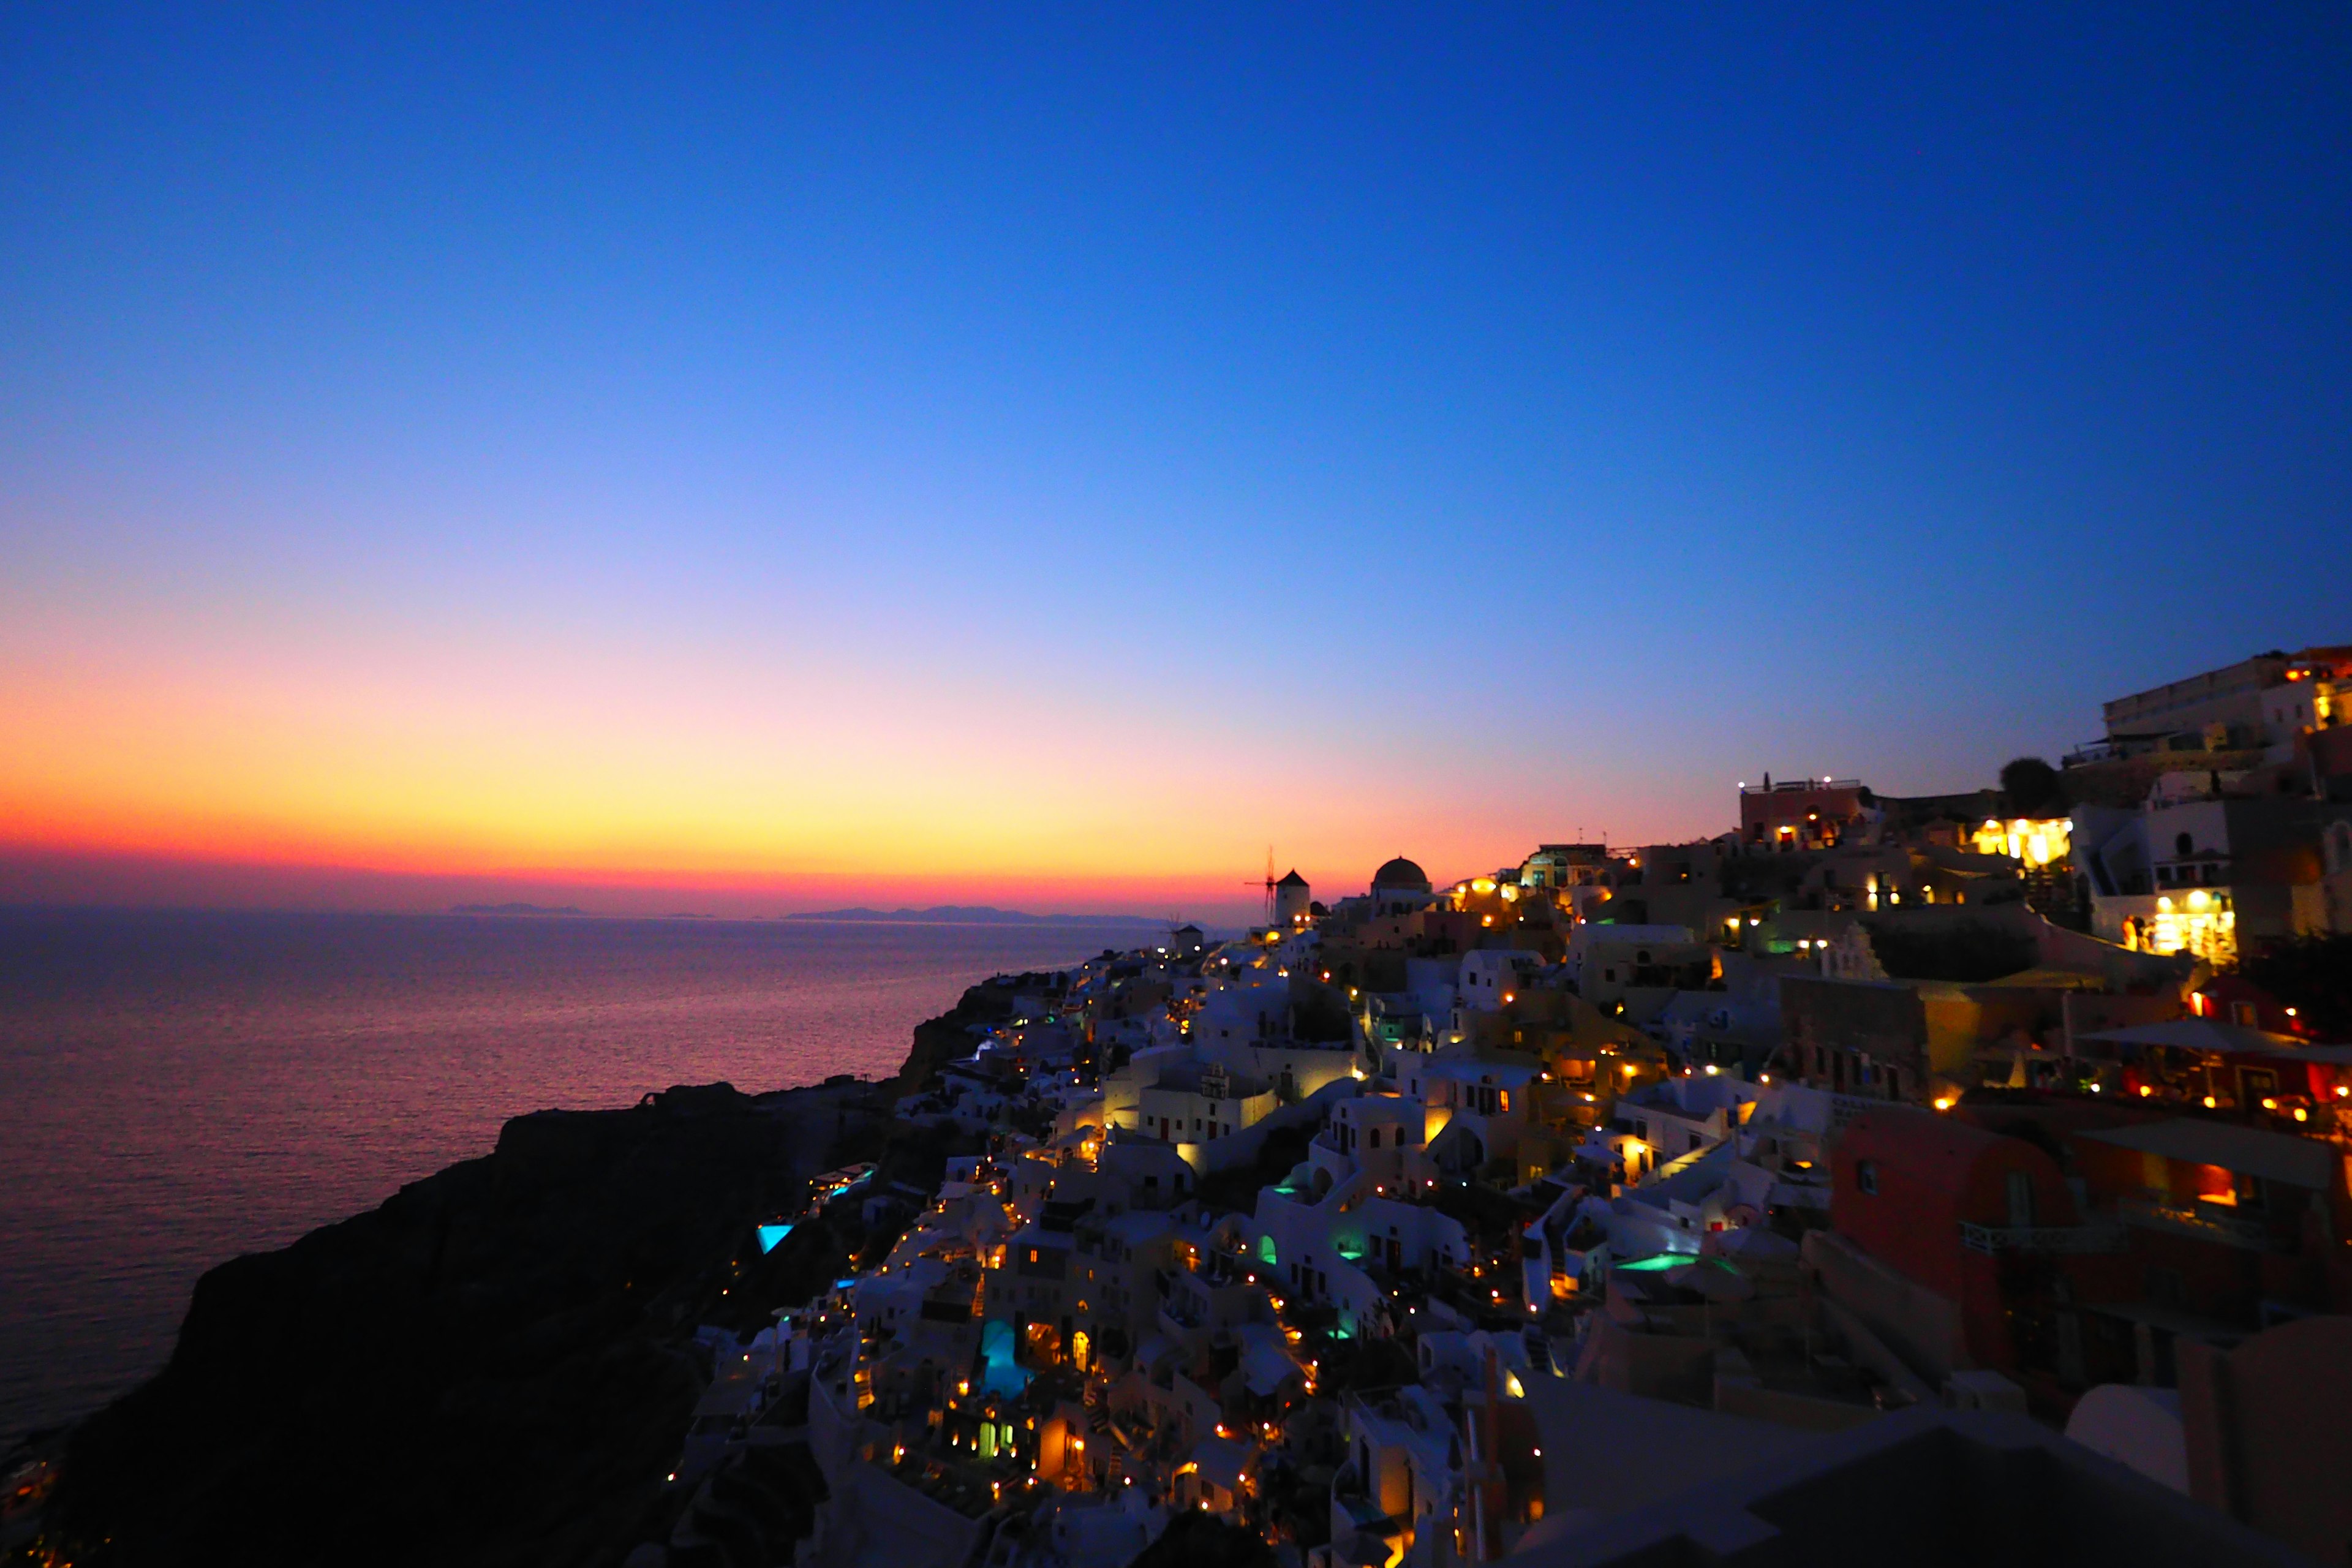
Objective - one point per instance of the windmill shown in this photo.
(1269, 885)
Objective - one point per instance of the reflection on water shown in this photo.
(176, 1088)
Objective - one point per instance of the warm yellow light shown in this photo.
(1944, 1103)
(2145, 1091)
(2210, 1102)
(2268, 1104)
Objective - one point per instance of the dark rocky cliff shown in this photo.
(950, 1036)
(494, 1367)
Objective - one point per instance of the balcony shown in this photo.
(2097, 1236)
(2206, 1222)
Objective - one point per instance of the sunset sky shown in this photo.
(743, 461)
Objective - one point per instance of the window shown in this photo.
(2182, 844)
(2021, 1199)
(1865, 1176)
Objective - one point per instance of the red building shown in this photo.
(2230, 1223)
(2190, 1229)
(2234, 999)
(1804, 814)
(1971, 1215)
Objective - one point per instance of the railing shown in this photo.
(2207, 1222)
(2093, 1237)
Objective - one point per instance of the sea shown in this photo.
(179, 1088)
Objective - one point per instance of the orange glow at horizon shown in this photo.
(863, 796)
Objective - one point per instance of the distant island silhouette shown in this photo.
(516, 910)
(971, 914)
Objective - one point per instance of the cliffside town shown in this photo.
(1944, 1179)
(1951, 1179)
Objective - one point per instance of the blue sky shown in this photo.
(1458, 428)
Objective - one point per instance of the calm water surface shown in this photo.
(176, 1088)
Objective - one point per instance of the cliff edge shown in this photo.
(494, 1367)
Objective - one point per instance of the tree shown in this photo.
(2034, 788)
